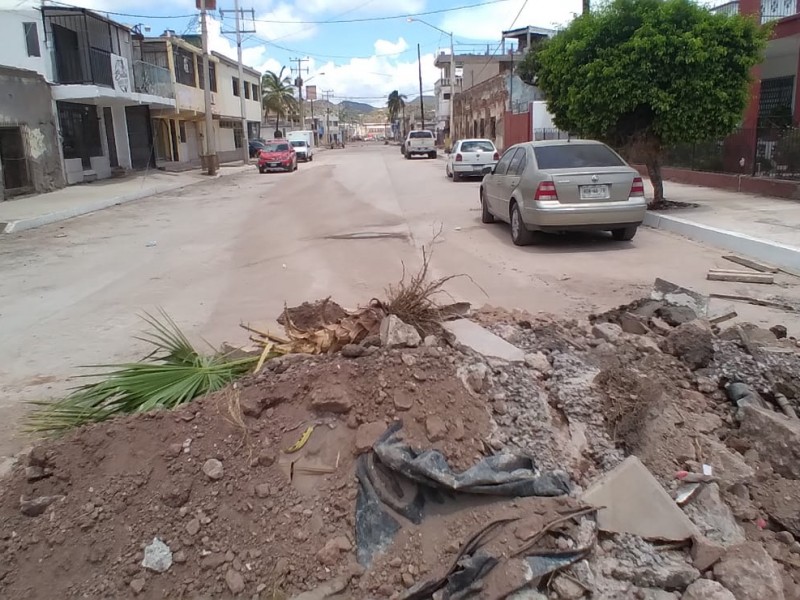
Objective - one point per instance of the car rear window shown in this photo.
(474, 146)
(420, 134)
(298, 144)
(576, 156)
(276, 147)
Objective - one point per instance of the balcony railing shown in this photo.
(153, 80)
(773, 10)
(729, 9)
(447, 81)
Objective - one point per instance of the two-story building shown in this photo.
(180, 130)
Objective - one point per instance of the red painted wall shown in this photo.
(516, 128)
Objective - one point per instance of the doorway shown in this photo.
(16, 179)
(140, 136)
(111, 138)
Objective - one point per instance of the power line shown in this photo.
(514, 22)
(324, 22)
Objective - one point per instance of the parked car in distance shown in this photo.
(277, 156)
(419, 141)
(255, 146)
(563, 185)
(469, 158)
(303, 150)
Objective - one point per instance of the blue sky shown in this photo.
(362, 60)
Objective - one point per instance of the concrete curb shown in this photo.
(779, 255)
(84, 209)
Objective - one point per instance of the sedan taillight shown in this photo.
(546, 191)
(459, 158)
(637, 189)
(496, 156)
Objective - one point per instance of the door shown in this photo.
(192, 142)
(67, 53)
(511, 180)
(14, 162)
(140, 136)
(111, 138)
(494, 184)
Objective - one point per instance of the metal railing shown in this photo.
(774, 10)
(729, 9)
(100, 61)
(767, 152)
(153, 80)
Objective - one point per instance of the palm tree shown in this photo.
(396, 104)
(277, 95)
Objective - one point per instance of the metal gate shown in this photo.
(140, 136)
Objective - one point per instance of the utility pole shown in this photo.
(298, 81)
(421, 103)
(242, 107)
(326, 94)
(586, 6)
(211, 150)
(452, 91)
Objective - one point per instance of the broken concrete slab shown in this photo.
(774, 436)
(468, 334)
(714, 518)
(670, 293)
(631, 500)
(729, 466)
(706, 589)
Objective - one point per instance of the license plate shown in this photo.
(477, 168)
(594, 192)
(274, 164)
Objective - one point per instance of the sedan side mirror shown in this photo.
(488, 170)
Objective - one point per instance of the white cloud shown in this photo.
(355, 8)
(290, 26)
(387, 47)
(488, 22)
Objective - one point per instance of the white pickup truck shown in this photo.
(420, 141)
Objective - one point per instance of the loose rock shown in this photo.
(749, 573)
(693, 343)
(609, 332)
(435, 428)
(213, 469)
(353, 351)
(395, 333)
(705, 589)
(234, 581)
(157, 556)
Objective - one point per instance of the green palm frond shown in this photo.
(173, 373)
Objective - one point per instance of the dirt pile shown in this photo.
(236, 515)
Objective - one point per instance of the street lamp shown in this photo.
(452, 71)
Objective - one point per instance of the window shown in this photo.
(184, 66)
(212, 75)
(255, 92)
(235, 81)
(417, 135)
(253, 130)
(182, 131)
(517, 165)
(32, 39)
(447, 96)
(505, 161)
(246, 87)
(576, 156)
(477, 145)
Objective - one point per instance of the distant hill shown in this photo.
(358, 108)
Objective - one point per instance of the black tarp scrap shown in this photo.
(396, 482)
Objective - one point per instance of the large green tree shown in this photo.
(645, 74)
(277, 95)
(396, 105)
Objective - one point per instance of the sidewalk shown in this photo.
(764, 228)
(28, 212)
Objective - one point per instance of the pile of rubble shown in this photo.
(646, 454)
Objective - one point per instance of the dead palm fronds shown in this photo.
(172, 374)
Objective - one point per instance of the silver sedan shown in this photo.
(563, 185)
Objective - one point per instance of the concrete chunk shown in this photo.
(631, 500)
(675, 295)
(469, 334)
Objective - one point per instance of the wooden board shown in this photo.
(751, 264)
(741, 277)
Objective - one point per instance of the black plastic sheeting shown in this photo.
(397, 481)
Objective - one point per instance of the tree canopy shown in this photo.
(277, 95)
(645, 74)
(395, 103)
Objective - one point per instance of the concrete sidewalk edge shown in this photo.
(779, 255)
(84, 209)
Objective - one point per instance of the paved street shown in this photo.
(235, 249)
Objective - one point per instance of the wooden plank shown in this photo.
(724, 317)
(752, 264)
(741, 277)
(756, 301)
(736, 272)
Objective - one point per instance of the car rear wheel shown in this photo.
(519, 233)
(432, 155)
(486, 216)
(624, 234)
(456, 176)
